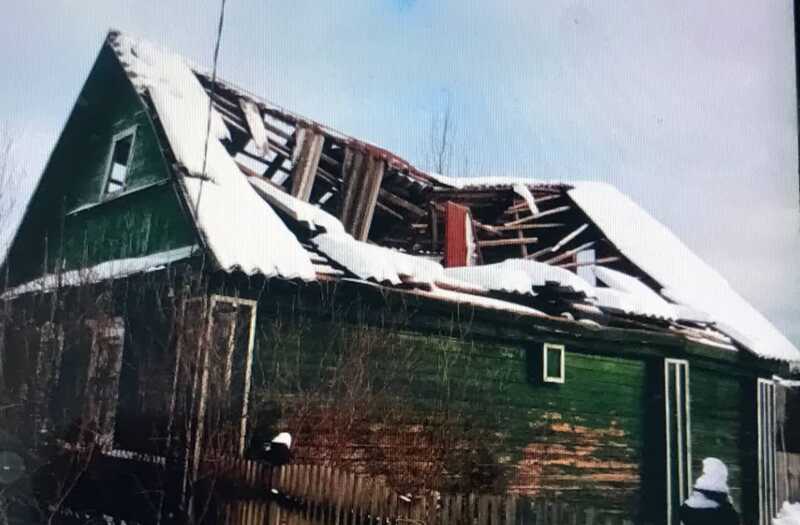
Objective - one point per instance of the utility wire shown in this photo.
(211, 102)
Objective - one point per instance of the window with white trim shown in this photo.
(553, 363)
(677, 416)
(767, 495)
(119, 161)
(228, 360)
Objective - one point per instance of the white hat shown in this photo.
(715, 476)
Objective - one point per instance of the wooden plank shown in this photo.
(305, 161)
(508, 242)
(524, 205)
(401, 203)
(602, 260)
(545, 213)
(542, 225)
(568, 253)
(569, 237)
(255, 122)
(351, 181)
(455, 244)
(365, 209)
(523, 247)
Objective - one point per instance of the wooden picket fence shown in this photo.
(320, 495)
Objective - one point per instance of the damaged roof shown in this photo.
(279, 195)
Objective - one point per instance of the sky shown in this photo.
(689, 107)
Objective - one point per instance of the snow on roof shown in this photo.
(106, 270)
(685, 278)
(299, 210)
(489, 303)
(241, 232)
(634, 304)
(518, 276)
(376, 263)
(630, 295)
(492, 182)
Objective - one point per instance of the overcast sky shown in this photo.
(687, 106)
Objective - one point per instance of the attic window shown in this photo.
(119, 161)
(553, 363)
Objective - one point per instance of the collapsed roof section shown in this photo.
(278, 194)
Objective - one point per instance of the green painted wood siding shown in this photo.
(580, 441)
(70, 217)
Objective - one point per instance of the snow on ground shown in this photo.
(788, 515)
(685, 278)
(241, 232)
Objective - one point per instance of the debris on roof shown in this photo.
(684, 278)
(274, 180)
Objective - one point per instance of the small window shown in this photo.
(121, 148)
(553, 363)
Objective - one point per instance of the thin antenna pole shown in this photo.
(211, 102)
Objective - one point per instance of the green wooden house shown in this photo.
(199, 268)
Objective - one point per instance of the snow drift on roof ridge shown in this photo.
(684, 276)
(239, 229)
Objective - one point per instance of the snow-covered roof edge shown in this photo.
(685, 278)
(224, 206)
(113, 269)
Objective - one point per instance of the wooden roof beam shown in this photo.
(305, 161)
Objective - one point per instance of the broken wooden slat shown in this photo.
(350, 178)
(305, 160)
(368, 198)
(401, 203)
(524, 205)
(256, 124)
(602, 260)
(361, 180)
(508, 242)
(523, 247)
(528, 226)
(538, 216)
(570, 236)
(387, 210)
(568, 253)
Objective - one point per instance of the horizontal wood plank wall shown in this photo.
(718, 429)
(580, 442)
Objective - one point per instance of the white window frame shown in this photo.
(684, 470)
(548, 378)
(128, 132)
(767, 476)
(235, 301)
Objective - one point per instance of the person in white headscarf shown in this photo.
(710, 501)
